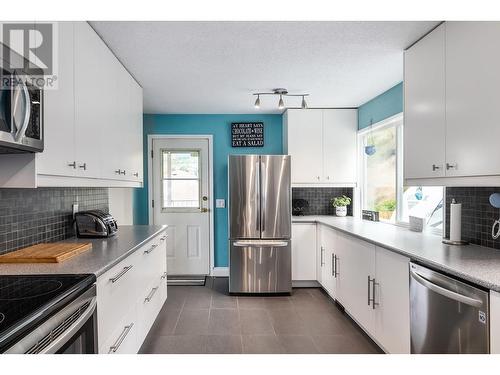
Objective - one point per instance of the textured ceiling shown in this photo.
(213, 67)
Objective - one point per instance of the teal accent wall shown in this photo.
(220, 127)
(381, 107)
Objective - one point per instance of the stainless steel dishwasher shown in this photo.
(447, 315)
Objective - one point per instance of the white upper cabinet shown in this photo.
(424, 109)
(472, 98)
(322, 143)
(92, 120)
(58, 157)
(451, 106)
(304, 130)
(339, 145)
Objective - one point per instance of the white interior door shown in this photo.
(181, 201)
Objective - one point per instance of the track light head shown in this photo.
(281, 104)
(304, 104)
(257, 102)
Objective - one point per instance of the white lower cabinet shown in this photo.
(494, 322)
(372, 283)
(392, 298)
(303, 251)
(130, 296)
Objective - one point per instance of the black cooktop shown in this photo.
(27, 300)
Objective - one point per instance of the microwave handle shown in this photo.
(20, 132)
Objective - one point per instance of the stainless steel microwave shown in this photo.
(21, 111)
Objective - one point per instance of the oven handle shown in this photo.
(20, 132)
(61, 340)
(445, 292)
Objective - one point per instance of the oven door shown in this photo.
(72, 330)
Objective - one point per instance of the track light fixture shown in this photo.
(281, 92)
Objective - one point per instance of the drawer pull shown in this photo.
(151, 294)
(164, 276)
(123, 335)
(164, 237)
(150, 249)
(120, 274)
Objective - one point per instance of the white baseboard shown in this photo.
(220, 272)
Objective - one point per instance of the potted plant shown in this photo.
(340, 204)
(386, 208)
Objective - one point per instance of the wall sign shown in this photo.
(247, 134)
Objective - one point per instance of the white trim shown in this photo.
(211, 199)
(220, 272)
(385, 122)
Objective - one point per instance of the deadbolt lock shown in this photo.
(205, 198)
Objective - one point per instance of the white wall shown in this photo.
(120, 205)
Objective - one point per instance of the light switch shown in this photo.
(220, 203)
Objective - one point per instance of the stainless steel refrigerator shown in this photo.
(259, 224)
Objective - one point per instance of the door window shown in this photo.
(181, 179)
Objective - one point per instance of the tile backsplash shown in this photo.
(477, 214)
(31, 216)
(319, 199)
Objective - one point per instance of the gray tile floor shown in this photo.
(205, 319)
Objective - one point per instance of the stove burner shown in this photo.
(2, 317)
(25, 289)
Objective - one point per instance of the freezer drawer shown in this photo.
(446, 315)
(260, 266)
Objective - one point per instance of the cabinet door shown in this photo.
(354, 266)
(472, 97)
(136, 141)
(339, 145)
(424, 107)
(494, 322)
(303, 251)
(59, 112)
(392, 314)
(92, 96)
(327, 236)
(305, 139)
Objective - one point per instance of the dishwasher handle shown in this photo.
(445, 292)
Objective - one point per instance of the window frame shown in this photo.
(162, 190)
(396, 120)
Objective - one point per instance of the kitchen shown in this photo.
(199, 198)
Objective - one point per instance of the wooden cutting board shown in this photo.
(46, 253)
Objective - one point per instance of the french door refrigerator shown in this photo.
(259, 224)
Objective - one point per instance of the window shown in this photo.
(382, 187)
(180, 179)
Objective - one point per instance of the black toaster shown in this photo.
(95, 223)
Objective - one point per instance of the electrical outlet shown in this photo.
(220, 203)
(75, 209)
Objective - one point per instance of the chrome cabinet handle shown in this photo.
(123, 335)
(136, 174)
(164, 276)
(333, 265)
(150, 249)
(451, 166)
(72, 165)
(435, 167)
(118, 171)
(317, 177)
(151, 294)
(83, 166)
(322, 262)
(164, 237)
(374, 284)
(369, 281)
(123, 172)
(120, 274)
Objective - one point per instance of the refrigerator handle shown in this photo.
(263, 193)
(258, 224)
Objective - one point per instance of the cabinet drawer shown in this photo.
(123, 338)
(149, 304)
(117, 290)
(153, 259)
